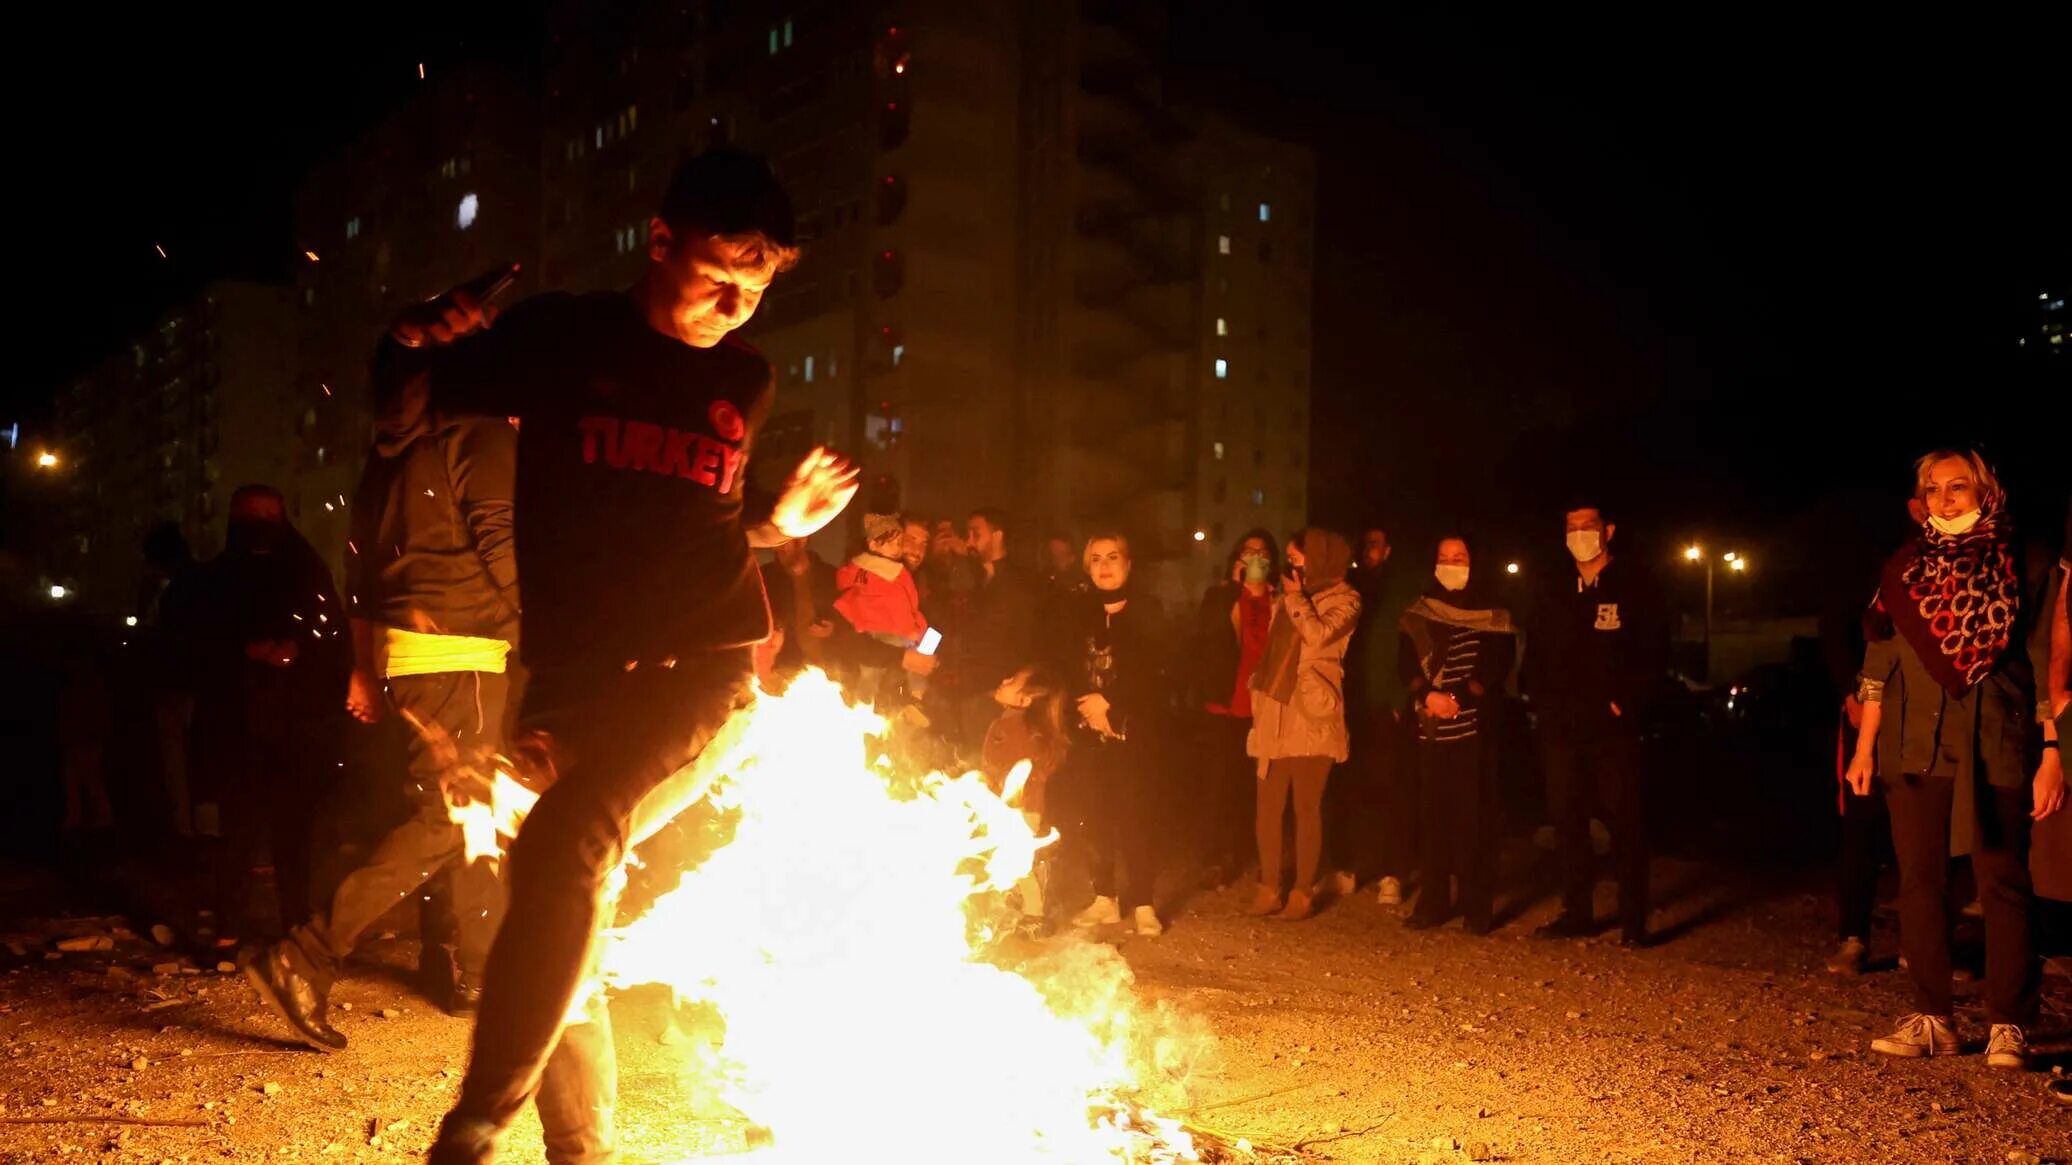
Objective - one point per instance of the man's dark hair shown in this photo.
(1586, 501)
(730, 193)
(997, 519)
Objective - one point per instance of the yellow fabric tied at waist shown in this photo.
(414, 653)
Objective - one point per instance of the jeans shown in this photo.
(615, 744)
(1999, 862)
(1458, 822)
(462, 716)
(1593, 761)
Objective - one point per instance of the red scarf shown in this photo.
(1954, 597)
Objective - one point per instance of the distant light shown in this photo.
(1730, 556)
(311, 256)
(1510, 568)
(1694, 553)
(1265, 212)
(326, 388)
(1222, 368)
(160, 249)
(129, 620)
(46, 460)
(1201, 535)
(466, 215)
(57, 592)
(1738, 564)
(329, 508)
(420, 70)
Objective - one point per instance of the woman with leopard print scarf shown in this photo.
(1948, 703)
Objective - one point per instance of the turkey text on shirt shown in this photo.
(642, 445)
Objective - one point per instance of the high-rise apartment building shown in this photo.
(165, 430)
(1031, 279)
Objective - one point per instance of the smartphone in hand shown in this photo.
(930, 640)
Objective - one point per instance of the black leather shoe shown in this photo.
(466, 996)
(1567, 926)
(271, 971)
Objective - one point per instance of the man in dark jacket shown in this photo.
(271, 659)
(1601, 650)
(1372, 804)
(432, 595)
(997, 634)
(642, 604)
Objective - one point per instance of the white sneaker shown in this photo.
(1922, 1035)
(1102, 911)
(1147, 923)
(1343, 884)
(2007, 1047)
(1391, 891)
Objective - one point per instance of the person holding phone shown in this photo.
(876, 594)
(1298, 713)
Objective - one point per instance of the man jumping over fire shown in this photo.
(637, 417)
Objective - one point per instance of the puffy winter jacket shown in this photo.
(1313, 722)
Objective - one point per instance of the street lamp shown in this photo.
(46, 460)
(1510, 568)
(1735, 562)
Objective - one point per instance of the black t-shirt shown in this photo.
(632, 467)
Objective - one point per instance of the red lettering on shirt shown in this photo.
(676, 454)
(643, 444)
(595, 428)
(705, 465)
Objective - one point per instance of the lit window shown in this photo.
(352, 228)
(599, 137)
(809, 370)
(773, 40)
(1219, 450)
(898, 354)
(1222, 368)
(1258, 497)
(465, 216)
(1223, 244)
(787, 34)
(1265, 212)
(1222, 326)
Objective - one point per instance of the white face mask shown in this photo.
(1954, 526)
(1450, 576)
(1586, 545)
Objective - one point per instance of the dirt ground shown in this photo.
(1346, 1035)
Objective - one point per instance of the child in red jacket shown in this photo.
(874, 592)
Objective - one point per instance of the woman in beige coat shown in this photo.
(1298, 711)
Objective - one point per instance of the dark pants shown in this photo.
(1999, 863)
(267, 763)
(1302, 778)
(1385, 769)
(1593, 762)
(456, 718)
(618, 743)
(1457, 819)
(1112, 792)
(1866, 852)
(1223, 793)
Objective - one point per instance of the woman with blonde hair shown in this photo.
(1947, 701)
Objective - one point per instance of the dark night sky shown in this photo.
(1723, 269)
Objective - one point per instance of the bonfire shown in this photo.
(848, 946)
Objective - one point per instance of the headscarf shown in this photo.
(1954, 598)
(1326, 556)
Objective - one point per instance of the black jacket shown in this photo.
(431, 548)
(1127, 658)
(1213, 648)
(996, 635)
(1594, 646)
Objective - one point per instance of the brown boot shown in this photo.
(1265, 902)
(1300, 906)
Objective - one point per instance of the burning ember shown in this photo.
(846, 941)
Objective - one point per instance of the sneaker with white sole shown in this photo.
(1344, 884)
(1145, 923)
(2007, 1047)
(1391, 893)
(1919, 1035)
(1102, 911)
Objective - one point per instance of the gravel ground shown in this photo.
(1345, 1035)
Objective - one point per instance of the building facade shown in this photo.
(166, 430)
